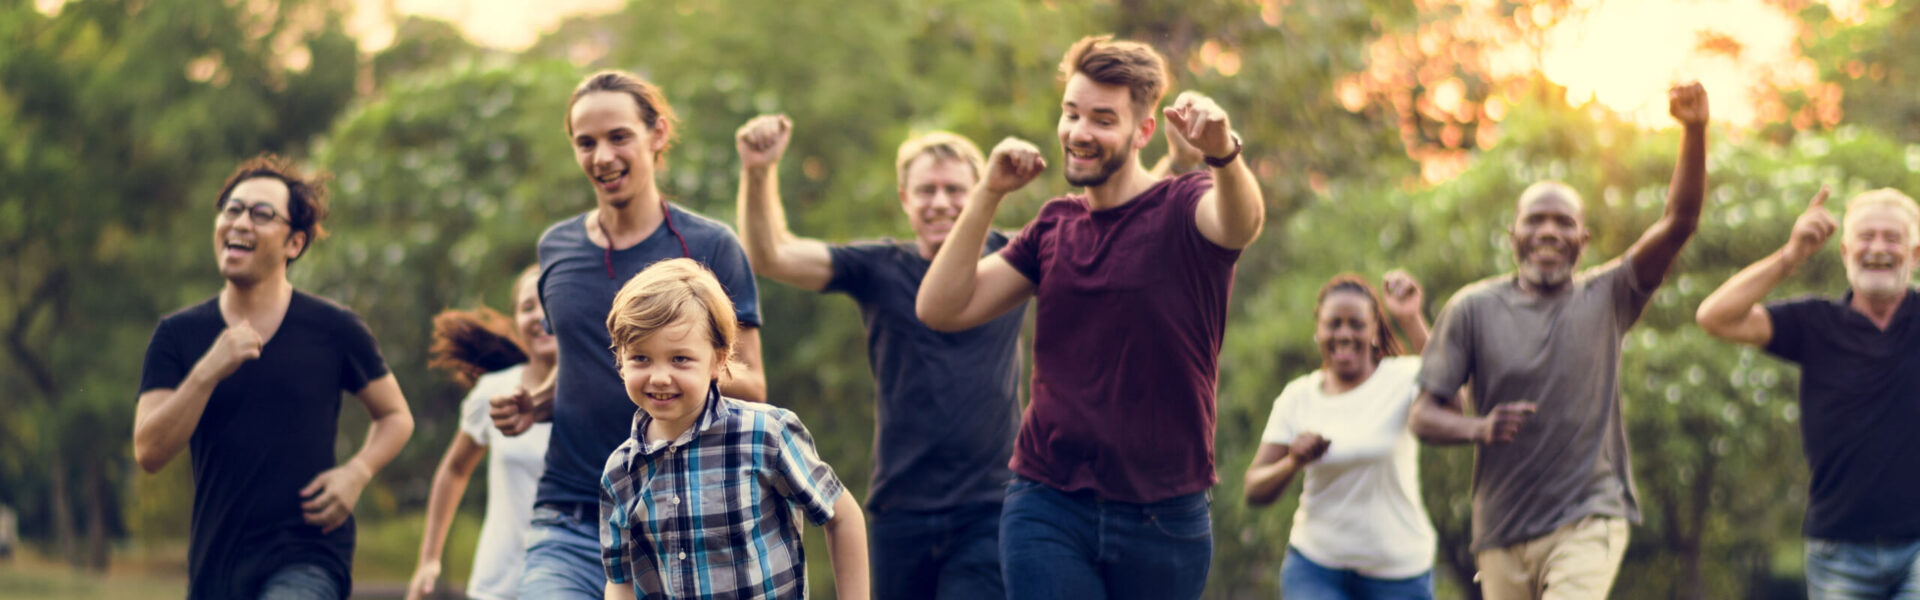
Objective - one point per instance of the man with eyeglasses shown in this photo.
(250, 382)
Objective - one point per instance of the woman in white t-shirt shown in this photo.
(1361, 530)
(504, 355)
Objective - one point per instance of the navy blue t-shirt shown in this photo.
(267, 431)
(1859, 407)
(949, 404)
(591, 411)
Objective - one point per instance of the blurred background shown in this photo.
(1387, 134)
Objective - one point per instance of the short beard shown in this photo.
(1107, 169)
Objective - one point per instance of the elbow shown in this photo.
(1710, 321)
(933, 317)
(1258, 498)
(151, 459)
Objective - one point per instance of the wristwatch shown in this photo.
(1225, 160)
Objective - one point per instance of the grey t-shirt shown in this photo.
(1562, 352)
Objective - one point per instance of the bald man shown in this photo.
(1552, 487)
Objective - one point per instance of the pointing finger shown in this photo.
(1819, 200)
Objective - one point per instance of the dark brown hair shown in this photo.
(306, 194)
(1120, 62)
(1385, 344)
(654, 110)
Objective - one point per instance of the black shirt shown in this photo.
(949, 404)
(1859, 406)
(267, 431)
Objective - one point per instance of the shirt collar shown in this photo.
(710, 415)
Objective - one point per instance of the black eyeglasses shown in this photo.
(260, 212)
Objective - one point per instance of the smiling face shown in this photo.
(614, 146)
(932, 195)
(1346, 333)
(1549, 232)
(667, 373)
(526, 319)
(248, 252)
(1099, 132)
(1879, 249)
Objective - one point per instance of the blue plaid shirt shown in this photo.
(712, 514)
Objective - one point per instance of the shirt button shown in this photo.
(676, 499)
(683, 556)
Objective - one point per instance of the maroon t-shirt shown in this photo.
(1131, 305)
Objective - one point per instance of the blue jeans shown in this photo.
(1860, 570)
(301, 581)
(946, 554)
(1056, 544)
(563, 556)
(1303, 579)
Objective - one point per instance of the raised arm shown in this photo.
(1232, 213)
(1654, 253)
(330, 497)
(1181, 156)
(1403, 301)
(961, 291)
(771, 248)
(1733, 312)
(164, 420)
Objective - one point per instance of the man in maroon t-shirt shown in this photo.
(1131, 280)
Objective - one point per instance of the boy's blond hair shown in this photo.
(660, 294)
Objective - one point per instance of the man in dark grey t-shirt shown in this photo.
(948, 405)
(1552, 485)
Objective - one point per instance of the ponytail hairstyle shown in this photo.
(468, 344)
(1385, 344)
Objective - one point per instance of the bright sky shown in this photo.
(504, 24)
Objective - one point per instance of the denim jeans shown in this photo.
(949, 554)
(1303, 579)
(1056, 544)
(301, 581)
(1887, 569)
(563, 557)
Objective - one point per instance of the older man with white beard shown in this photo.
(1859, 358)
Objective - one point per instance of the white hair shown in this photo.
(1890, 198)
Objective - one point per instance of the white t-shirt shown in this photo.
(1360, 506)
(514, 465)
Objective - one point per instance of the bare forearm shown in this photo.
(1266, 482)
(164, 429)
(947, 288)
(1418, 333)
(1440, 425)
(847, 548)
(1242, 207)
(1687, 192)
(763, 222)
(1735, 299)
(386, 435)
(449, 485)
(747, 384)
(620, 591)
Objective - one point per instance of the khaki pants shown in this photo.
(1576, 561)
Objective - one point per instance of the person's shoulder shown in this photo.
(759, 416)
(505, 378)
(198, 313)
(319, 307)
(1063, 207)
(1404, 366)
(1483, 290)
(1300, 387)
(571, 230)
(693, 225)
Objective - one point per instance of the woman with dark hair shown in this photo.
(1361, 530)
(493, 354)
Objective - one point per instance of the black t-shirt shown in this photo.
(591, 412)
(949, 404)
(1859, 406)
(267, 431)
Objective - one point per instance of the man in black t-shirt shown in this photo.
(948, 403)
(250, 381)
(1859, 359)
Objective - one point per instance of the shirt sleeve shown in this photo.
(800, 476)
(852, 267)
(1449, 357)
(1790, 319)
(1629, 299)
(729, 264)
(474, 418)
(1023, 251)
(1281, 428)
(613, 524)
(165, 367)
(363, 362)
